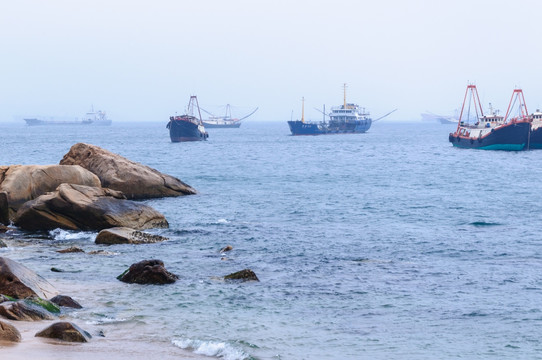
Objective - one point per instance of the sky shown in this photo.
(141, 60)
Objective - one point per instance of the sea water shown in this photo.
(391, 244)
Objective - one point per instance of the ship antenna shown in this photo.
(303, 109)
(344, 107)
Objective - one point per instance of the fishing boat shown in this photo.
(492, 132)
(536, 130)
(187, 127)
(226, 121)
(344, 119)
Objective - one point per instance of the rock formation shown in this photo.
(9, 333)
(79, 207)
(22, 183)
(135, 180)
(124, 235)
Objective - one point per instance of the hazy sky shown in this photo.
(141, 60)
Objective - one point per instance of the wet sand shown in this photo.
(99, 347)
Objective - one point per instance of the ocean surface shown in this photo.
(386, 245)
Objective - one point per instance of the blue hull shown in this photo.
(180, 131)
(333, 127)
(513, 137)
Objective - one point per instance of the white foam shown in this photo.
(60, 234)
(211, 348)
(223, 221)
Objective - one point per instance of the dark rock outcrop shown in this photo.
(148, 272)
(124, 235)
(135, 180)
(79, 207)
(22, 183)
(65, 331)
(4, 208)
(9, 332)
(66, 301)
(243, 275)
(2, 243)
(227, 248)
(20, 282)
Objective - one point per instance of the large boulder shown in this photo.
(65, 331)
(18, 281)
(22, 183)
(9, 332)
(148, 272)
(124, 235)
(79, 207)
(135, 180)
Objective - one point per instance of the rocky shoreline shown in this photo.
(91, 189)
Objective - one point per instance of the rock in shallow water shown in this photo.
(124, 235)
(65, 331)
(18, 281)
(148, 272)
(243, 275)
(66, 301)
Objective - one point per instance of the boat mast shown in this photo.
(517, 95)
(303, 109)
(473, 93)
(344, 106)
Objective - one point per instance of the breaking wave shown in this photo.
(221, 350)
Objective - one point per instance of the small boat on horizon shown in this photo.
(187, 127)
(91, 118)
(443, 119)
(226, 121)
(492, 132)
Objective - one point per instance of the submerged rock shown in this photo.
(71, 249)
(148, 272)
(227, 248)
(243, 275)
(135, 180)
(20, 282)
(65, 331)
(66, 301)
(124, 235)
(79, 207)
(9, 332)
(22, 183)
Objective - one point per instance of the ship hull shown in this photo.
(333, 127)
(221, 126)
(512, 137)
(181, 131)
(536, 139)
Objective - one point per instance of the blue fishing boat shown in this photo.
(187, 127)
(492, 132)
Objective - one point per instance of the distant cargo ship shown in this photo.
(91, 118)
(443, 119)
(226, 121)
(187, 127)
(344, 119)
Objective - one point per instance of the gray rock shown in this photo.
(9, 332)
(65, 331)
(124, 235)
(148, 272)
(71, 249)
(18, 281)
(135, 180)
(79, 207)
